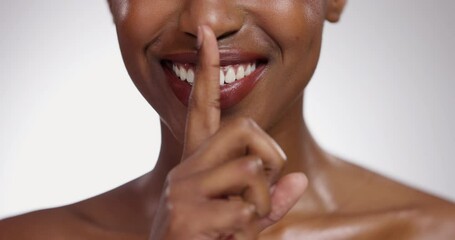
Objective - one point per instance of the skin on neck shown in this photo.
(290, 132)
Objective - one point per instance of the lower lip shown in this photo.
(230, 94)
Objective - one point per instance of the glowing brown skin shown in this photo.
(342, 201)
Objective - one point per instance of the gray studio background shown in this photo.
(72, 125)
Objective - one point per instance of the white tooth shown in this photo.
(190, 76)
(253, 67)
(240, 73)
(230, 75)
(177, 71)
(221, 77)
(174, 68)
(182, 73)
(248, 70)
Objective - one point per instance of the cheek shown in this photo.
(120, 9)
(297, 24)
(300, 40)
(297, 30)
(138, 30)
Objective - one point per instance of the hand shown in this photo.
(227, 184)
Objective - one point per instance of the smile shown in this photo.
(228, 74)
(239, 74)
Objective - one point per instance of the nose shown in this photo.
(221, 15)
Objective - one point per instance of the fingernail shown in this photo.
(200, 37)
(252, 208)
(272, 189)
(259, 163)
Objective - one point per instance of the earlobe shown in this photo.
(334, 10)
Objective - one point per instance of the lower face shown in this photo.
(268, 52)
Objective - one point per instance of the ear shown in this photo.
(334, 10)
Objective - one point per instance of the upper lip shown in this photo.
(227, 57)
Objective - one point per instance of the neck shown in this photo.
(290, 132)
(169, 157)
(151, 184)
(170, 152)
(304, 155)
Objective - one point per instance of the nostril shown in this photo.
(220, 37)
(190, 35)
(226, 35)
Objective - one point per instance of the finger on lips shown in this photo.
(239, 160)
(203, 118)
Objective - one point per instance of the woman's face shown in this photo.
(279, 40)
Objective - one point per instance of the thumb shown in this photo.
(287, 191)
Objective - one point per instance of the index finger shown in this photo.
(203, 118)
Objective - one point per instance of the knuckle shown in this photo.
(177, 209)
(178, 188)
(251, 166)
(246, 213)
(214, 103)
(172, 175)
(198, 102)
(173, 192)
(170, 195)
(175, 216)
(175, 176)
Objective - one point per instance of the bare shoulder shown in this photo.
(43, 224)
(395, 202)
(88, 219)
(356, 203)
(381, 190)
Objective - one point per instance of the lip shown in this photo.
(230, 94)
